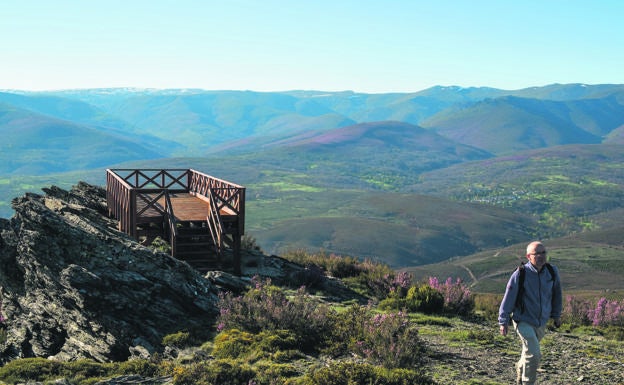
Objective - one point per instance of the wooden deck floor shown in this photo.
(187, 207)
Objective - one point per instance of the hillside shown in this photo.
(570, 188)
(398, 229)
(589, 263)
(509, 124)
(36, 144)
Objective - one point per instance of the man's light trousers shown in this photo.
(531, 354)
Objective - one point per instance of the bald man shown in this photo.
(533, 295)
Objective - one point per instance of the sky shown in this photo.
(330, 45)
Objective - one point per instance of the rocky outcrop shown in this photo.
(72, 286)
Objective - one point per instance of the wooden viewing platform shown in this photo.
(198, 215)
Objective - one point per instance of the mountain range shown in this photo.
(408, 178)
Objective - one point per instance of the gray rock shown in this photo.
(73, 286)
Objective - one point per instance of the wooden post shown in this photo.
(132, 208)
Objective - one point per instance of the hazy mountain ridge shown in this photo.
(202, 119)
(509, 123)
(310, 158)
(41, 144)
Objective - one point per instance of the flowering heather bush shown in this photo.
(576, 311)
(401, 282)
(457, 297)
(267, 307)
(603, 313)
(607, 313)
(390, 340)
(382, 281)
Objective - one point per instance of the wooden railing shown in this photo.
(228, 197)
(174, 180)
(121, 201)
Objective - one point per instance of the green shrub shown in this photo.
(138, 366)
(367, 277)
(424, 298)
(277, 340)
(180, 339)
(233, 343)
(342, 373)
(249, 243)
(83, 370)
(217, 372)
(336, 266)
(30, 369)
(78, 372)
(426, 319)
(614, 333)
(277, 345)
(348, 328)
(275, 373)
(160, 245)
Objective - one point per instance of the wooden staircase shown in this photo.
(195, 246)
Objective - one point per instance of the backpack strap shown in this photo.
(521, 274)
(551, 270)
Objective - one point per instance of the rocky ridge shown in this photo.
(72, 286)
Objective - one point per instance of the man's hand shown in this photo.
(557, 322)
(503, 330)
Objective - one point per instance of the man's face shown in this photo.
(537, 256)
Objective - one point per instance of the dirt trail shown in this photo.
(488, 358)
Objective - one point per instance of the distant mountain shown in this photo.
(35, 144)
(394, 176)
(360, 208)
(204, 121)
(616, 136)
(568, 92)
(508, 124)
(63, 108)
(369, 139)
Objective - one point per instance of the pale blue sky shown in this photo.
(332, 45)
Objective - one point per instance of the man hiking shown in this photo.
(533, 295)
